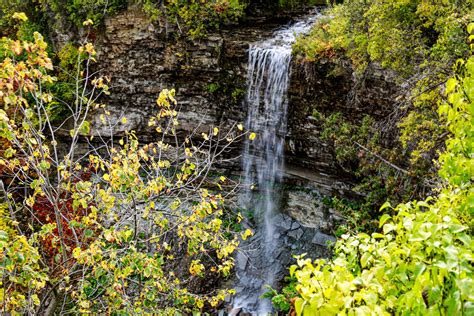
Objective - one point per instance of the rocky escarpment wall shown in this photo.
(329, 87)
(209, 75)
(142, 58)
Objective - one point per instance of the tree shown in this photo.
(116, 227)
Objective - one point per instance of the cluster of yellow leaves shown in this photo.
(135, 174)
(23, 67)
(19, 269)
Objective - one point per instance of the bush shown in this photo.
(125, 227)
(422, 262)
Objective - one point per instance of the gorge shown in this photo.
(246, 74)
(236, 157)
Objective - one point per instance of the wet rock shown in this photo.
(241, 261)
(239, 289)
(283, 221)
(296, 234)
(295, 225)
(323, 239)
(279, 252)
(235, 311)
(258, 283)
(306, 209)
(252, 300)
(245, 281)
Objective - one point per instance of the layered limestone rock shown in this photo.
(142, 58)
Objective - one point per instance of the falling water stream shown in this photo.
(267, 101)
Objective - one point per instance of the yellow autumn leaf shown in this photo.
(106, 177)
(204, 135)
(87, 22)
(246, 234)
(216, 131)
(20, 16)
(89, 49)
(199, 304)
(30, 201)
(240, 127)
(76, 253)
(124, 120)
(252, 136)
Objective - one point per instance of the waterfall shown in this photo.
(267, 102)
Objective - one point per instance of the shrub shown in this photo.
(125, 227)
(422, 262)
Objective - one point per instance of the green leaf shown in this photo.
(451, 85)
(383, 219)
(3, 235)
(385, 205)
(419, 269)
(85, 128)
(299, 305)
(470, 28)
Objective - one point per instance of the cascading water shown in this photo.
(267, 85)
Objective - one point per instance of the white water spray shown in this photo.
(267, 87)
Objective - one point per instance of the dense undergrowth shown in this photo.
(418, 41)
(421, 261)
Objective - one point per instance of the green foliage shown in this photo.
(420, 130)
(198, 16)
(398, 34)
(359, 149)
(68, 67)
(227, 86)
(22, 277)
(422, 262)
(5, 220)
(69, 12)
(343, 134)
(195, 17)
(457, 163)
(78, 11)
(213, 87)
(282, 301)
(8, 24)
(359, 216)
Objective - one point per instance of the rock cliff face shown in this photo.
(142, 58)
(330, 87)
(209, 75)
